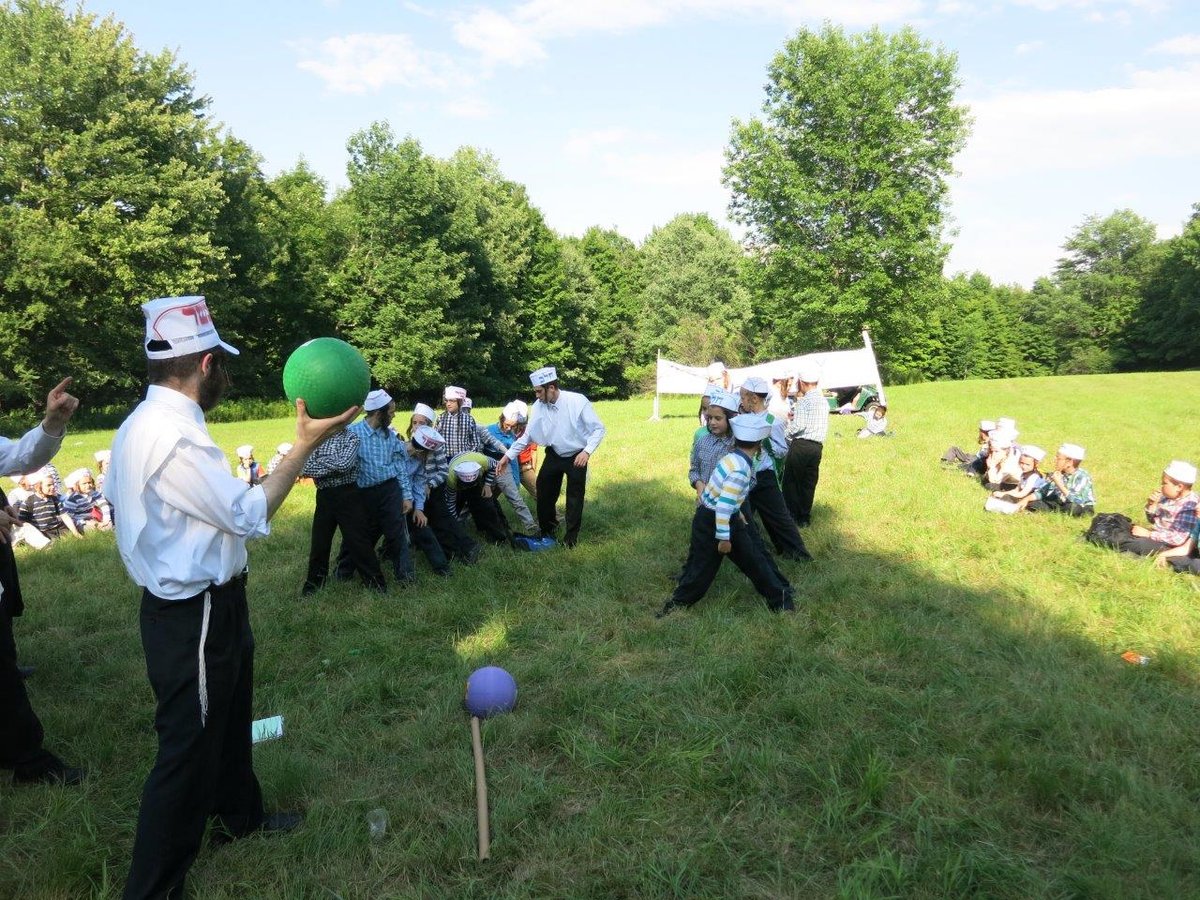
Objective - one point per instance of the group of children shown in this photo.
(51, 506)
(1012, 474)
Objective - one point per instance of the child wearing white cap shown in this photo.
(1068, 489)
(280, 452)
(1017, 498)
(249, 469)
(462, 433)
(505, 430)
(718, 529)
(972, 463)
(1171, 515)
(1002, 467)
(432, 521)
(471, 484)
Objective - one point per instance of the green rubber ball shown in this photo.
(329, 374)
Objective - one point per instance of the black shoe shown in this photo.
(669, 607)
(798, 557)
(276, 823)
(803, 523)
(309, 588)
(67, 776)
(408, 582)
(787, 606)
(26, 671)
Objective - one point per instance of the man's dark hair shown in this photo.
(178, 368)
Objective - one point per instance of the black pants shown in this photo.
(767, 501)
(384, 505)
(802, 470)
(21, 732)
(426, 541)
(485, 512)
(449, 531)
(342, 507)
(704, 561)
(549, 486)
(1075, 510)
(204, 766)
(1142, 546)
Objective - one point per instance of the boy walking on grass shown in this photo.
(719, 531)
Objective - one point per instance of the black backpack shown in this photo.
(1109, 530)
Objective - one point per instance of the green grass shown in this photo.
(947, 715)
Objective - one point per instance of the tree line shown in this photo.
(116, 186)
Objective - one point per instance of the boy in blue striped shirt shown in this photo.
(719, 531)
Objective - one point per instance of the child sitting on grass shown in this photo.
(972, 463)
(718, 529)
(1002, 467)
(1017, 498)
(876, 424)
(1068, 489)
(1171, 514)
(85, 504)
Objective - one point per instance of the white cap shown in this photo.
(716, 369)
(467, 471)
(756, 385)
(1072, 451)
(428, 437)
(102, 455)
(987, 425)
(750, 426)
(467, 402)
(422, 409)
(512, 412)
(1181, 471)
(377, 400)
(177, 326)
(77, 476)
(285, 448)
(1000, 439)
(1033, 452)
(453, 392)
(1010, 424)
(810, 373)
(709, 388)
(542, 376)
(244, 451)
(726, 400)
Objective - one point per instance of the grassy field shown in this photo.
(947, 714)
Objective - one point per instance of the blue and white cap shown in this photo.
(750, 427)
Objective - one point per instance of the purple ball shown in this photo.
(490, 690)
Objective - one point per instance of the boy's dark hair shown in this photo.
(178, 368)
(747, 445)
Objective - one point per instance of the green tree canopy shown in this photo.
(842, 185)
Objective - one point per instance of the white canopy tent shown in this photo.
(839, 368)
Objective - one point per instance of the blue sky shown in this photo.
(617, 113)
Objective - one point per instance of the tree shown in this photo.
(842, 186)
(693, 277)
(1164, 331)
(615, 264)
(1100, 281)
(107, 197)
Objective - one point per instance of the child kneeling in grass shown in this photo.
(1171, 514)
(1069, 488)
(718, 529)
(1023, 494)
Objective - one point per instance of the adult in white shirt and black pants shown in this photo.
(565, 423)
(20, 729)
(182, 530)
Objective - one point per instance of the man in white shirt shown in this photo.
(20, 730)
(182, 527)
(565, 424)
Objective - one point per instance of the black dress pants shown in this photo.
(802, 470)
(384, 505)
(449, 531)
(1142, 546)
(485, 512)
(424, 539)
(704, 560)
(200, 661)
(21, 732)
(767, 501)
(342, 507)
(549, 486)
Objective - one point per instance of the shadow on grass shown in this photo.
(904, 734)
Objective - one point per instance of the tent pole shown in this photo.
(654, 414)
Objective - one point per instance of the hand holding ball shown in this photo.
(329, 374)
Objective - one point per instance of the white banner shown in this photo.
(839, 368)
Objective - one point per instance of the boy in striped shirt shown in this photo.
(719, 531)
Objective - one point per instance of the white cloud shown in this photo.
(1157, 114)
(1183, 45)
(582, 144)
(475, 108)
(518, 37)
(1027, 47)
(362, 63)
(1098, 9)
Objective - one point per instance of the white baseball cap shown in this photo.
(1183, 472)
(177, 326)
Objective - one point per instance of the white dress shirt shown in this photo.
(31, 452)
(565, 427)
(183, 518)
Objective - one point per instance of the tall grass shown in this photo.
(947, 714)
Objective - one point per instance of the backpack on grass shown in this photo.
(1109, 530)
